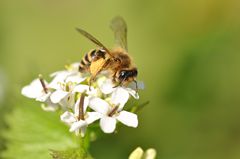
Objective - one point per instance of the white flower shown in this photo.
(40, 92)
(65, 95)
(64, 83)
(107, 87)
(65, 77)
(103, 97)
(110, 115)
(71, 74)
(36, 90)
(73, 119)
(91, 91)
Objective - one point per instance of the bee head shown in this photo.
(124, 76)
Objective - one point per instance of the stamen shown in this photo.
(114, 110)
(45, 89)
(81, 111)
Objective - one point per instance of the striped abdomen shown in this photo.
(92, 55)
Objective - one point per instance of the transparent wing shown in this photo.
(93, 39)
(119, 27)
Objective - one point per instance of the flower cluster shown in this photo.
(80, 104)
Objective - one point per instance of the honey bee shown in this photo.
(117, 60)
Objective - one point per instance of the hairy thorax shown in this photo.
(120, 59)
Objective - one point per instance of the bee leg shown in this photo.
(116, 85)
(89, 85)
(119, 84)
(90, 82)
(92, 79)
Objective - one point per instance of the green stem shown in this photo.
(84, 144)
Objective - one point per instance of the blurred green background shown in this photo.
(187, 53)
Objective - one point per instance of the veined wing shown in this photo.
(93, 39)
(119, 27)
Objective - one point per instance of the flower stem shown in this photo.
(84, 144)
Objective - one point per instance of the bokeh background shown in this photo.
(187, 53)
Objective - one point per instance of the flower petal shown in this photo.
(108, 124)
(67, 117)
(85, 88)
(133, 93)
(58, 95)
(29, 92)
(92, 116)
(68, 101)
(127, 118)
(33, 90)
(77, 125)
(119, 97)
(59, 77)
(99, 105)
(106, 86)
(81, 88)
(43, 97)
(76, 78)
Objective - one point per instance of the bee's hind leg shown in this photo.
(92, 78)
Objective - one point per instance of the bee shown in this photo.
(116, 61)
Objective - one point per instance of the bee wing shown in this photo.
(119, 27)
(93, 39)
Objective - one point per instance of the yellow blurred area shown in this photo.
(187, 53)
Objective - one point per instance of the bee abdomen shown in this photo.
(89, 57)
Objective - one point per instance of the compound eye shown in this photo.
(122, 74)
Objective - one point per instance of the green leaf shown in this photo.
(71, 154)
(33, 132)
